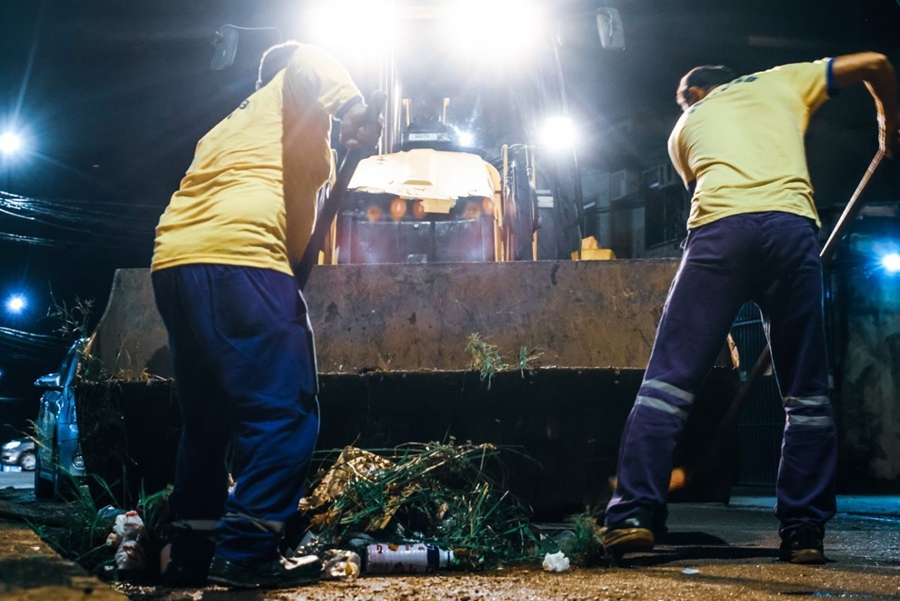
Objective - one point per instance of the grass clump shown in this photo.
(83, 535)
(486, 359)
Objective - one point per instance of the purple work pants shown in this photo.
(770, 258)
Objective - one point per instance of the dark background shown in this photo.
(113, 96)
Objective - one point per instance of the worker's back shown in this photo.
(743, 144)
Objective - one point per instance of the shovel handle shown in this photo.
(335, 198)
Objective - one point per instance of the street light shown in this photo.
(10, 143)
(16, 304)
(370, 24)
(492, 29)
(891, 262)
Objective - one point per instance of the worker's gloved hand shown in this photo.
(359, 129)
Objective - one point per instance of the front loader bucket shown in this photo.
(394, 366)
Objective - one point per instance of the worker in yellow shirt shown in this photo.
(241, 343)
(752, 236)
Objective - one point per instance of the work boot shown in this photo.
(628, 535)
(189, 555)
(802, 545)
(275, 573)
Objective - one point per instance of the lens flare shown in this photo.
(891, 262)
(10, 143)
(16, 304)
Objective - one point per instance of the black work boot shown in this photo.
(628, 535)
(802, 545)
(276, 573)
(189, 556)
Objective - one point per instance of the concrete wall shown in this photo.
(869, 407)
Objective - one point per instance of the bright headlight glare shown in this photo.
(492, 28)
(891, 262)
(558, 133)
(465, 138)
(368, 25)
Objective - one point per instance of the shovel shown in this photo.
(335, 199)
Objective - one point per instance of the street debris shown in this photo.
(418, 558)
(416, 508)
(127, 535)
(341, 565)
(690, 571)
(555, 562)
(436, 497)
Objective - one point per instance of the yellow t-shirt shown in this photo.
(743, 144)
(249, 196)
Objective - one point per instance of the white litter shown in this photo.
(127, 534)
(556, 562)
(340, 565)
(690, 571)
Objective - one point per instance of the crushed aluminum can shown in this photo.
(340, 565)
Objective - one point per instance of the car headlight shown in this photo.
(11, 445)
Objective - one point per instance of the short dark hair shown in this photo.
(705, 77)
(274, 60)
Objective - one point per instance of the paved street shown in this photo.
(16, 479)
(713, 552)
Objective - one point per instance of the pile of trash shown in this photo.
(438, 501)
(414, 509)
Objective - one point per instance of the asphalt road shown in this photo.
(16, 479)
(713, 552)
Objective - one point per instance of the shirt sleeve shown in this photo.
(316, 86)
(812, 81)
(678, 155)
(313, 75)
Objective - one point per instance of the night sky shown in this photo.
(113, 96)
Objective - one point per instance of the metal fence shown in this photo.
(761, 420)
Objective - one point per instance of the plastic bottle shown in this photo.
(566, 541)
(416, 558)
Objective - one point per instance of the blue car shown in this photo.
(59, 463)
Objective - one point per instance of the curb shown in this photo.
(31, 571)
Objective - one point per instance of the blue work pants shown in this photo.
(245, 373)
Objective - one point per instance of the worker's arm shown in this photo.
(676, 154)
(876, 72)
(316, 88)
(313, 75)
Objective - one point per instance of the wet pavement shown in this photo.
(712, 552)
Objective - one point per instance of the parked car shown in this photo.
(19, 453)
(59, 462)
